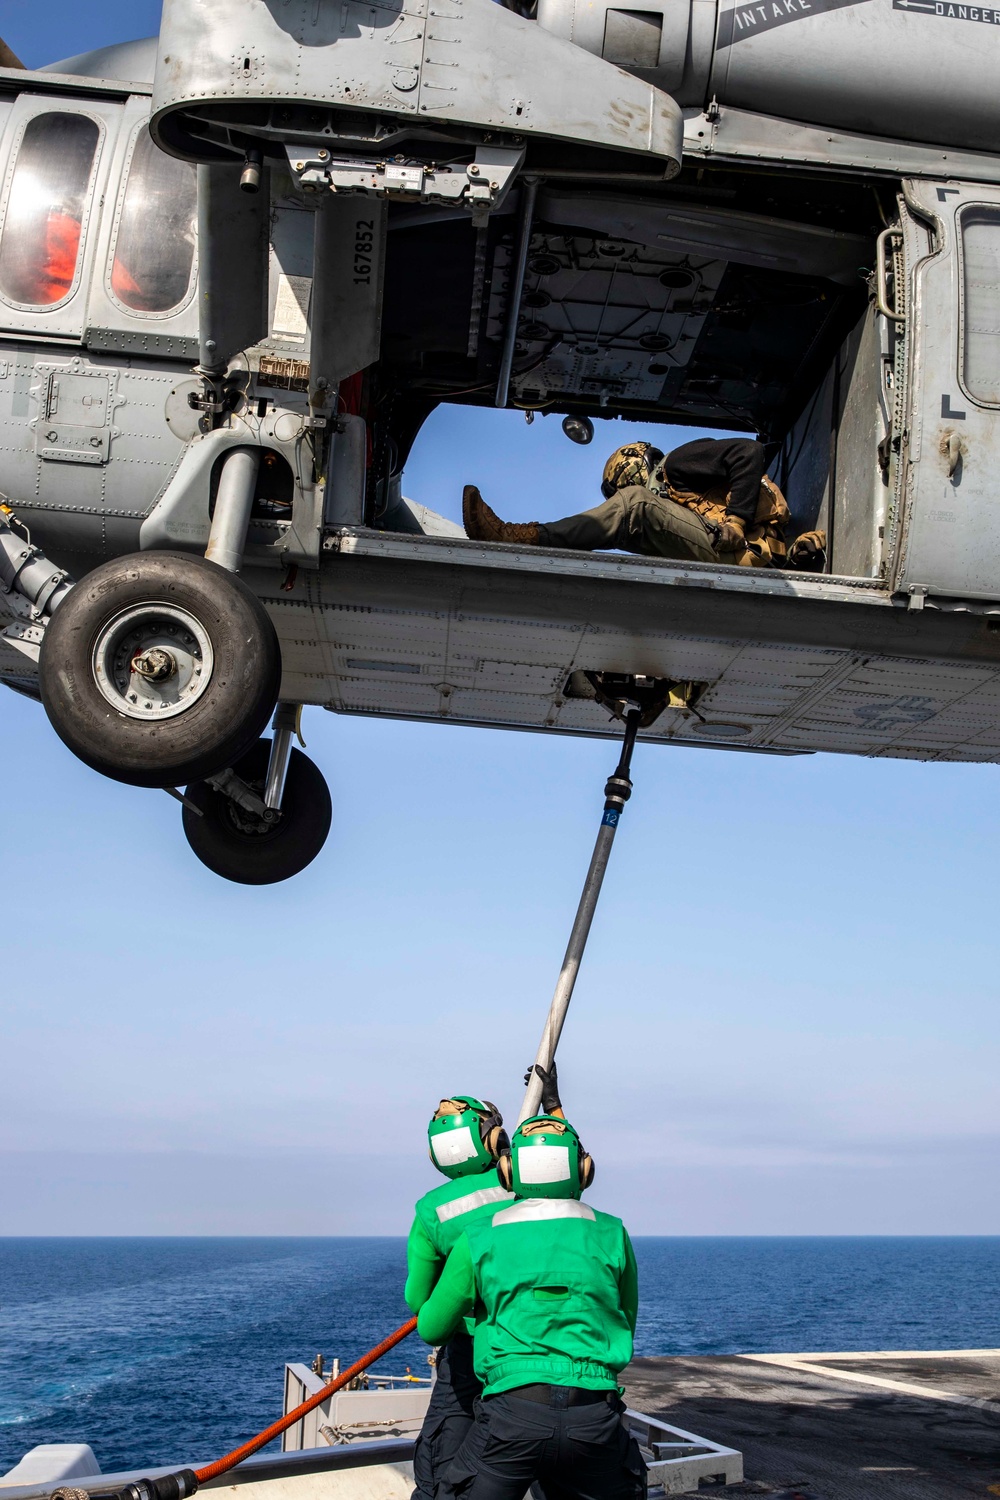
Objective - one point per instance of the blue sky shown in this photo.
(44, 34)
(787, 1021)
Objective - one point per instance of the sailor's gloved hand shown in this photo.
(807, 554)
(550, 1088)
(732, 535)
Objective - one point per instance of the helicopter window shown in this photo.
(43, 226)
(981, 297)
(154, 243)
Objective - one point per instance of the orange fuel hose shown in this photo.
(221, 1465)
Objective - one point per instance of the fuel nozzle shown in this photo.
(618, 787)
(177, 1486)
(165, 1487)
(624, 693)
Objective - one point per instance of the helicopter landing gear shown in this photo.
(234, 825)
(159, 669)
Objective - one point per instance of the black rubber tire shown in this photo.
(218, 728)
(232, 844)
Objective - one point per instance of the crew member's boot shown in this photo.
(483, 525)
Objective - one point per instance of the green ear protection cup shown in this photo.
(466, 1141)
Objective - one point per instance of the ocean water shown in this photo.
(172, 1350)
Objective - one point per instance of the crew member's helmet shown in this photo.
(632, 464)
(466, 1136)
(546, 1159)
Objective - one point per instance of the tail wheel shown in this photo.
(159, 669)
(244, 846)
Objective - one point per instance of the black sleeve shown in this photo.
(744, 462)
(734, 464)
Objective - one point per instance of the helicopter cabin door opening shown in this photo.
(726, 301)
(837, 464)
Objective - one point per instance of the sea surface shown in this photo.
(158, 1351)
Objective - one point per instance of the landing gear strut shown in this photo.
(161, 669)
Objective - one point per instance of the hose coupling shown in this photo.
(617, 791)
(164, 1487)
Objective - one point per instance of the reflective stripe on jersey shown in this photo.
(531, 1210)
(464, 1205)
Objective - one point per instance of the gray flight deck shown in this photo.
(840, 1426)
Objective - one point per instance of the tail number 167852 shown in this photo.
(364, 250)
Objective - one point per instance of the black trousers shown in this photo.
(577, 1452)
(449, 1417)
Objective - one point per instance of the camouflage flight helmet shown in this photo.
(631, 464)
(546, 1160)
(465, 1136)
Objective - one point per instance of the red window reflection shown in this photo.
(40, 240)
(58, 265)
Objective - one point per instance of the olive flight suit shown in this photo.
(635, 520)
(554, 1289)
(647, 521)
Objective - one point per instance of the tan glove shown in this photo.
(732, 535)
(807, 554)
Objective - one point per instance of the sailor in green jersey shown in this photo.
(465, 1137)
(552, 1284)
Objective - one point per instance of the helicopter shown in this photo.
(241, 263)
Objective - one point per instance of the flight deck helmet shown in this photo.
(546, 1159)
(466, 1136)
(631, 464)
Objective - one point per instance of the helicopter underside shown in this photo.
(446, 632)
(426, 628)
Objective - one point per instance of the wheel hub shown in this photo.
(153, 661)
(252, 824)
(156, 664)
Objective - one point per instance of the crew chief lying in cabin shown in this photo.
(706, 501)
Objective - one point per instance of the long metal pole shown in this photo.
(616, 794)
(516, 291)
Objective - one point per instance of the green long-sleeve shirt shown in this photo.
(424, 1264)
(553, 1286)
(439, 1218)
